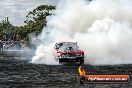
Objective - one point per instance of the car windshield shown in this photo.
(68, 47)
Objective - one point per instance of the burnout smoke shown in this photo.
(102, 28)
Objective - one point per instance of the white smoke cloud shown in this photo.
(102, 28)
(44, 55)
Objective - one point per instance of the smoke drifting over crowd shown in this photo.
(102, 28)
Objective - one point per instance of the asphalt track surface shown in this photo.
(15, 73)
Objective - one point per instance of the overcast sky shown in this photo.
(17, 10)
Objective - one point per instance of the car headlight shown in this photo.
(63, 56)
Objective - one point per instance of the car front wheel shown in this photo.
(60, 61)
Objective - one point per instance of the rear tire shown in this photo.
(60, 61)
(82, 61)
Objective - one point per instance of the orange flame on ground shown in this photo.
(81, 71)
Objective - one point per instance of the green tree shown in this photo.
(36, 19)
(35, 22)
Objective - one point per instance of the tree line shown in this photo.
(34, 23)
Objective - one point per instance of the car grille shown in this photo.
(70, 55)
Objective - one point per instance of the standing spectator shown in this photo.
(1, 46)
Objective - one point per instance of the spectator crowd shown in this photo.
(14, 45)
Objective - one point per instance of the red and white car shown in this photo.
(68, 52)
